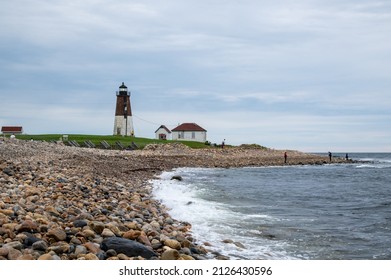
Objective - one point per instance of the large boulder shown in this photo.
(128, 247)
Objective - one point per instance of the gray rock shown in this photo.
(40, 245)
(111, 253)
(80, 223)
(80, 250)
(177, 177)
(30, 240)
(240, 245)
(128, 247)
(14, 244)
(8, 171)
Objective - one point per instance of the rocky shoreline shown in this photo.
(67, 203)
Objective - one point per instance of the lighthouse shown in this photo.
(123, 123)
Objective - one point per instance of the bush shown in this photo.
(252, 146)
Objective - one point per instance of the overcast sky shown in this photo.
(311, 75)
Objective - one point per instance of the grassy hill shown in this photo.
(96, 139)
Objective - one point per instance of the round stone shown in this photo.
(174, 244)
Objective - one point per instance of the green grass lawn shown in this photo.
(96, 139)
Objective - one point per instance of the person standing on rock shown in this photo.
(223, 144)
(330, 156)
(285, 157)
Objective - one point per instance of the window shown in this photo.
(193, 135)
(162, 136)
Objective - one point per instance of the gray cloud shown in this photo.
(275, 61)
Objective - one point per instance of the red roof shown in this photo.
(11, 129)
(189, 127)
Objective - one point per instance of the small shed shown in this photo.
(163, 133)
(189, 131)
(8, 130)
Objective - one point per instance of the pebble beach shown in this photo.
(68, 203)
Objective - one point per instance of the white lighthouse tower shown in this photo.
(123, 123)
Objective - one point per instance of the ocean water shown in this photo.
(327, 212)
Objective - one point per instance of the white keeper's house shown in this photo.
(163, 133)
(190, 132)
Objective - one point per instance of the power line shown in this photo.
(154, 123)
